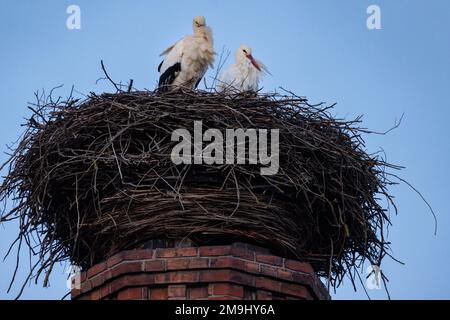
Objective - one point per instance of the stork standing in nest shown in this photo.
(187, 61)
(244, 75)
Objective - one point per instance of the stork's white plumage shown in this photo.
(187, 61)
(244, 75)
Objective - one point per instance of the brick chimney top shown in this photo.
(232, 272)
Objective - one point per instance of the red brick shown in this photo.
(242, 278)
(298, 266)
(199, 263)
(85, 286)
(268, 284)
(229, 289)
(75, 293)
(285, 274)
(317, 289)
(105, 290)
(176, 291)
(238, 264)
(115, 259)
(162, 278)
(183, 276)
(127, 267)
(177, 264)
(263, 295)
(223, 298)
(269, 271)
(187, 263)
(107, 275)
(227, 262)
(154, 265)
(295, 290)
(215, 251)
(130, 294)
(243, 253)
(140, 279)
(138, 254)
(269, 259)
(252, 267)
(302, 278)
(98, 280)
(86, 296)
(176, 277)
(176, 252)
(198, 292)
(215, 275)
(96, 294)
(118, 284)
(158, 294)
(96, 269)
(320, 290)
(222, 262)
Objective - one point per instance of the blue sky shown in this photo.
(321, 49)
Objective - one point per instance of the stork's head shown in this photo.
(244, 55)
(198, 23)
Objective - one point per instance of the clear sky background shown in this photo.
(321, 49)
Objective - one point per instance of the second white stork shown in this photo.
(244, 75)
(187, 61)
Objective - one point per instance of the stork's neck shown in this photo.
(244, 64)
(205, 46)
(205, 33)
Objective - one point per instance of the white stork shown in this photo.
(187, 61)
(244, 75)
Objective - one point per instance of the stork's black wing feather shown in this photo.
(200, 79)
(198, 82)
(168, 76)
(160, 65)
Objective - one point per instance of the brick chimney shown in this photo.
(237, 271)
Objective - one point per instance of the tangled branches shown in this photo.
(95, 177)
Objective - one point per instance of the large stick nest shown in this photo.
(91, 178)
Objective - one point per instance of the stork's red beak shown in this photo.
(254, 63)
